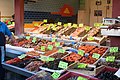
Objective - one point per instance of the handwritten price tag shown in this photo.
(95, 55)
(63, 65)
(50, 47)
(81, 78)
(27, 37)
(42, 48)
(45, 20)
(57, 44)
(113, 49)
(61, 51)
(34, 39)
(55, 75)
(69, 24)
(110, 58)
(81, 52)
(74, 25)
(81, 25)
(46, 58)
(65, 25)
(22, 56)
(82, 65)
(90, 38)
(59, 23)
(54, 39)
(87, 28)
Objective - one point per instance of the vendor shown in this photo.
(3, 31)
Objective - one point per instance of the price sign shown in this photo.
(45, 20)
(114, 49)
(74, 25)
(36, 24)
(48, 28)
(59, 23)
(46, 58)
(44, 25)
(81, 78)
(110, 58)
(87, 28)
(34, 39)
(98, 24)
(42, 48)
(90, 38)
(63, 65)
(54, 39)
(27, 37)
(55, 75)
(61, 51)
(13, 23)
(57, 44)
(9, 22)
(69, 24)
(50, 47)
(82, 65)
(22, 56)
(95, 55)
(65, 25)
(81, 25)
(81, 52)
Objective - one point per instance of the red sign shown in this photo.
(66, 10)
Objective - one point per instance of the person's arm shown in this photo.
(8, 32)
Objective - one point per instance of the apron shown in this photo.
(2, 46)
(2, 54)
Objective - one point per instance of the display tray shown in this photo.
(19, 48)
(74, 74)
(17, 70)
(102, 61)
(112, 32)
(13, 53)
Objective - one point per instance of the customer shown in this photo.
(3, 31)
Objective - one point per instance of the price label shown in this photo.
(50, 47)
(90, 38)
(81, 78)
(13, 23)
(82, 65)
(55, 75)
(22, 56)
(87, 28)
(69, 24)
(48, 28)
(61, 51)
(44, 25)
(36, 24)
(27, 37)
(57, 44)
(65, 25)
(46, 58)
(63, 65)
(45, 20)
(34, 39)
(54, 39)
(81, 52)
(81, 25)
(113, 49)
(110, 58)
(74, 25)
(51, 24)
(42, 48)
(59, 23)
(98, 24)
(95, 55)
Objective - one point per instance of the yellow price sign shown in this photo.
(81, 25)
(69, 24)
